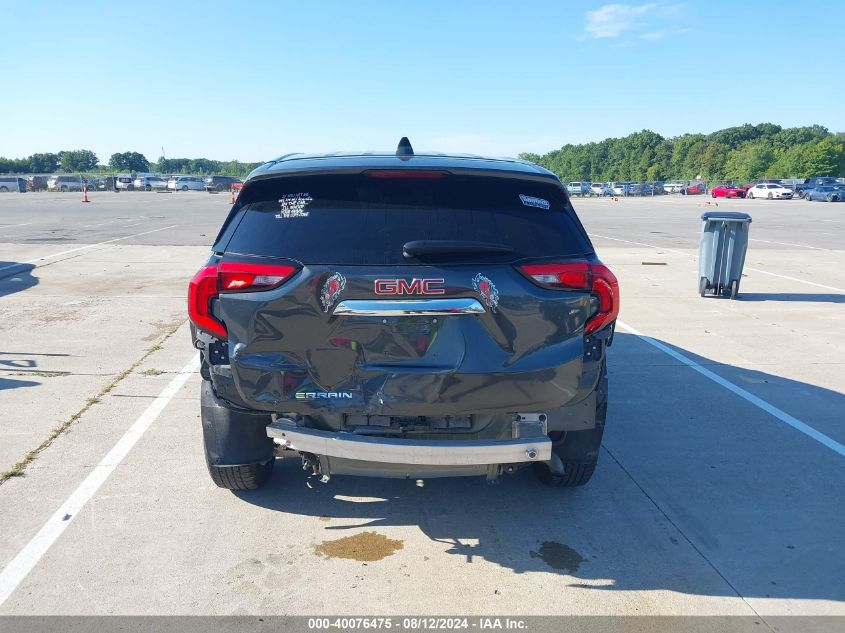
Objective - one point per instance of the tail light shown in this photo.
(595, 278)
(229, 277)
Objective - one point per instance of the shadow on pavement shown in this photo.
(15, 277)
(21, 364)
(796, 297)
(697, 492)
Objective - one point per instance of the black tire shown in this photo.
(702, 286)
(577, 472)
(244, 477)
(4, 189)
(63, 188)
(830, 198)
(148, 188)
(184, 187)
(219, 188)
(808, 198)
(713, 195)
(769, 196)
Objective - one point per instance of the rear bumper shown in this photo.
(408, 451)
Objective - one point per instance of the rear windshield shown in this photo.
(360, 219)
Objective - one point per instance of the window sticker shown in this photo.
(532, 201)
(292, 205)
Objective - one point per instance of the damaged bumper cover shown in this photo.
(387, 450)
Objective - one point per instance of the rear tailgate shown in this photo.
(365, 326)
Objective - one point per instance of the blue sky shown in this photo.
(253, 80)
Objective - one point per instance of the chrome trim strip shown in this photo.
(409, 451)
(408, 307)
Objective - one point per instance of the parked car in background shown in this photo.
(635, 189)
(12, 183)
(694, 189)
(674, 186)
(826, 193)
(220, 183)
(620, 188)
(769, 190)
(727, 191)
(103, 183)
(64, 183)
(578, 188)
(812, 183)
(36, 183)
(148, 183)
(123, 182)
(186, 183)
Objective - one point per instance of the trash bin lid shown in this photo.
(730, 216)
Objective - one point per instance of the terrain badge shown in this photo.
(487, 289)
(331, 290)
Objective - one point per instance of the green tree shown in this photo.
(43, 163)
(129, 161)
(750, 161)
(78, 160)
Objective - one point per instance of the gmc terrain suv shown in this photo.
(403, 315)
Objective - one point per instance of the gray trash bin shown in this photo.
(721, 253)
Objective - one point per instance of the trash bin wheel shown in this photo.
(702, 286)
(734, 288)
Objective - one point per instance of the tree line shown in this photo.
(740, 154)
(86, 161)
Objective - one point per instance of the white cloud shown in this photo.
(653, 21)
(611, 20)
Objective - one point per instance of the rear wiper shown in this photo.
(446, 247)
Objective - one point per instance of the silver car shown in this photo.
(186, 183)
(148, 183)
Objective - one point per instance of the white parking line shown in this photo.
(795, 423)
(815, 248)
(803, 281)
(82, 248)
(28, 557)
(616, 239)
(756, 270)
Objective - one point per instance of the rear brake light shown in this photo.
(406, 174)
(248, 277)
(203, 288)
(229, 277)
(595, 278)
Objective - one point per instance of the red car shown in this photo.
(727, 191)
(694, 189)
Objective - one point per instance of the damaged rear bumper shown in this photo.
(425, 453)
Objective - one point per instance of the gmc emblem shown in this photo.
(413, 287)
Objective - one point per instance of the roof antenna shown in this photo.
(404, 148)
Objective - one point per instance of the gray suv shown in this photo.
(403, 315)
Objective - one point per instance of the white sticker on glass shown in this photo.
(292, 205)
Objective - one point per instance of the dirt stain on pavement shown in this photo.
(559, 556)
(366, 546)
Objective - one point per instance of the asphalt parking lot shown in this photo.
(719, 488)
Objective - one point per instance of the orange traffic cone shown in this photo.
(85, 192)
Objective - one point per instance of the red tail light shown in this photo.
(203, 288)
(249, 277)
(229, 277)
(596, 278)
